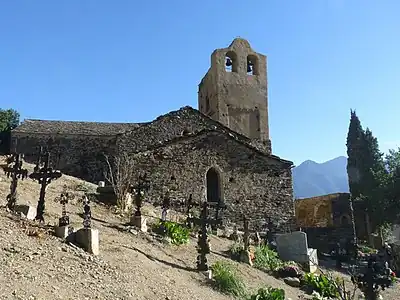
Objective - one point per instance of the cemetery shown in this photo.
(191, 205)
(192, 231)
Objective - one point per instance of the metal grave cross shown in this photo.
(16, 172)
(63, 199)
(142, 186)
(203, 246)
(44, 176)
(87, 213)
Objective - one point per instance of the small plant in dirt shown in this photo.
(177, 233)
(266, 259)
(235, 250)
(324, 285)
(366, 249)
(268, 294)
(226, 279)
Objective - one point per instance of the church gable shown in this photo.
(227, 147)
(169, 126)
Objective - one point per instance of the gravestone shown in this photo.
(294, 247)
(63, 230)
(28, 211)
(88, 237)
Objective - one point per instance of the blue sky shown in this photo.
(130, 61)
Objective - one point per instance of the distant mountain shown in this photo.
(312, 179)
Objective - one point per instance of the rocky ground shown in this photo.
(36, 265)
(131, 265)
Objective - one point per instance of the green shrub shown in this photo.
(268, 294)
(227, 280)
(178, 234)
(366, 249)
(235, 250)
(267, 259)
(322, 284)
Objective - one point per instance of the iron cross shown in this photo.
(16, 172)
(44, 176)
(63, 199)
(203, 246)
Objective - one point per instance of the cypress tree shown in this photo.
(354, 154)
(366, 171)
(373, 178)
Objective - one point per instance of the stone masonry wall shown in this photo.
(325, 238)
(75, 155)
(252, 184)
(165, 128)
(326, 219)
(238, 100)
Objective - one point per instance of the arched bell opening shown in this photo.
(231, 64)
(252, 65)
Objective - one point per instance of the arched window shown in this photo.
(252, 65)
(231, 64)
(213, 186)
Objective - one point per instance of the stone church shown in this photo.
(220, 152)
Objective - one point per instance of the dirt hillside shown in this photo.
(131, 265)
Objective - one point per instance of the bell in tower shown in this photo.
(250, 66)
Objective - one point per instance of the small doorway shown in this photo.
(213, 186)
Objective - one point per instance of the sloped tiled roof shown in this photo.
(73, 127)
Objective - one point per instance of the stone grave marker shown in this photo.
(142, 186)
(63, 230)
(294, 247)
(88, 237)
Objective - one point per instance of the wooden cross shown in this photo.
(63, 200)
(16, 172)
(44, 176)
(203, 246)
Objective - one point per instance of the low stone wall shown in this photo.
(325, 238)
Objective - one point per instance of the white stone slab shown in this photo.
(88, 239)
(293, 247)
(28, 211)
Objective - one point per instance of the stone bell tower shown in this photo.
(234, 91)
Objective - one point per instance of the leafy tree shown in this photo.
(391, 185)
(9, 119)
